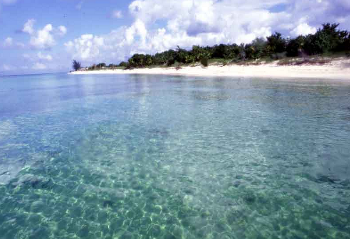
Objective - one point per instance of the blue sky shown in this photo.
(38, 36)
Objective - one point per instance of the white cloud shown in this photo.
(8, 42)
(319, 12)
(117, 14)
(7, 67)
(37, 58)
(86, 47)
(20, 45)
(138, 29)
(160, 25)
(186, 23)
(62, 30)
(28, 26)
(43, 38)
(303, 29)
(47, 57)
(39, 66)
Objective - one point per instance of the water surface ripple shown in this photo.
(173, 157)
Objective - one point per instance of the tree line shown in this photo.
(328, 39)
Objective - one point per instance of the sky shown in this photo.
(41, 36)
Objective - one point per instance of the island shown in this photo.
(323, 55)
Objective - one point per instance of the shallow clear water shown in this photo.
(173, 157)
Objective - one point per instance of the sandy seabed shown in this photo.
(336, 70)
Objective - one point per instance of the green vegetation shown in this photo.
(328, 40)
(204, 61)
(76, 65)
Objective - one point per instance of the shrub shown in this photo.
(170, 62)
(101, 65)
(275, 43)
(128, 67)
(277, 56)
(123, 64)
(294, 47)
(204, 61)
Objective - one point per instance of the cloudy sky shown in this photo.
(39, 36)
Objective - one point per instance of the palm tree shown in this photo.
(76, 65)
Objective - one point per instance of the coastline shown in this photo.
(337, 70)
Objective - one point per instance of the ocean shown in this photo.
(152, 156)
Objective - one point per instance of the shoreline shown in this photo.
(337, 70)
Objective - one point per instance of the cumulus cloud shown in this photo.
(8, 42)
(39, 66)
(28, 26)
(47, 57)
(61, 30)
(37, 58)
(138, 29)
(321, 11)
(303, 29)
(20, 45)
(86, 47)
(43, 38)
(117, 14)
(186, 23)
(206, 22)
(7, 67)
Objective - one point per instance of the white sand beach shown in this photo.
(336, 70)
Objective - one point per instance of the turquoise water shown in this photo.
(136, 156)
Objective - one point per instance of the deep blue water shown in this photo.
(134, 156)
